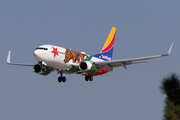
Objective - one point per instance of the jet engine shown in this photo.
(41, 69)
(87, 66)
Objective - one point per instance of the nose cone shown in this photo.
(37, 55)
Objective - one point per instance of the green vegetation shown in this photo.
(171, 87)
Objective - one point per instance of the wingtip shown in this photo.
(169, 51)
(8, 57)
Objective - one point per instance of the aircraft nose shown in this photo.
(36, 54)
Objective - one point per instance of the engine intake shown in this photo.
(83, 66)
(40, 69)
(87, 66)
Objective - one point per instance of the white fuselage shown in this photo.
(44, 53)
(56, 56)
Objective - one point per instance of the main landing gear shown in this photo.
(61, 78)
(89, 77)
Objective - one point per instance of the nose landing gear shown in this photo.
(61, 78)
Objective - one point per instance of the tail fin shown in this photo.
(107, 51)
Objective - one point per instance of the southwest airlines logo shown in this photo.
(105, 57)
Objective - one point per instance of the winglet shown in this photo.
(169, 51)
(8, 57)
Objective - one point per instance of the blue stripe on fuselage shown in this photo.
(107, 56)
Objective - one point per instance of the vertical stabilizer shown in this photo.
(107, 51)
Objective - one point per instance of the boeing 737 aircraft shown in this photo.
(54, 58)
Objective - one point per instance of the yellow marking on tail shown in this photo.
(110, 37)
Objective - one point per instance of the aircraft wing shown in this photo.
(124, 62)
(21, 64)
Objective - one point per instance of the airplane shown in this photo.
(66, 61)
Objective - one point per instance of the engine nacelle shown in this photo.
(87, 66)
(40, 69)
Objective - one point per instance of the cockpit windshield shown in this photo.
(41, 48)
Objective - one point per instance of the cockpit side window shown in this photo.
(41, 48)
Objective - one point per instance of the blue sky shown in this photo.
(144, 28)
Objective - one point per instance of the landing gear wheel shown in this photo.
(59, 79)
(91, 78)
(64, 79)
(86, 78)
